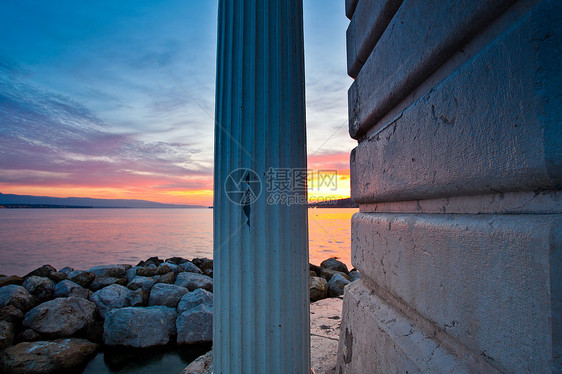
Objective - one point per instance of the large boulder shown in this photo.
(195, 325)
(139, 297)
(41, 287)
(104, 281)
(43, 271)
(336, 285)
(14, 279)
(354, 275)
(189, 267)
(144, 283)
(17, 296)
(202, 365)
(6, 334)
(192, 281)
(111, 297)
(329, 273)
(154, 261)
(147, 271)
(166, 294)
(66, 271)
(164, 268)
(83, 278)
(46, 356)
(334, 264)
(114, 271)
(168, 278)
(131, 273)
(203, 263)
(140, 327)
(68, 288)
(11, 314)
(176, 260)
(318, 288)
(60, 317)
(193, 299)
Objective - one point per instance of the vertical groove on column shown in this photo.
(261, 314)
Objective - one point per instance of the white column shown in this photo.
(261, 315)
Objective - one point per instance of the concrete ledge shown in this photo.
(366, 27)
(481, 130)
(420, 38)
(350, 6)
(399, 346)
(484, 280)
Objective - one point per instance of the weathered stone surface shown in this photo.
(325, 319)
(152, 261)
(68, 288)
(334, 264)
(171, 266)
(57, 276)
(11, 314)
(60, 317)
(166, 294)
(190, 267)
(147, 271)
(318, 288)
(138, 281)
(47, 356)
(103, 281)
(176, 260)
(113, 271)
(168, 278)
(201, 365)
(28, 335)
(496, 282)
(138, 297)
(83, 278)
(14, 279)
(195, 325)
(163, 269)
(404, 161)
(193, 299)
(400, 346)
(43, 271)
(66, 271)
(110, 297)
(140, 327)
(41, 287)
(354, 275)
(6, 334)
(203, 263)
(192, 281)
(17, 296)
(336, 285)
(131, 273)
(329, 273)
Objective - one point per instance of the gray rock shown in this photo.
(334, 264)
(192, 281)
(336, 285)
(202, 365)
(111, 297)
(203, 263)
(138, 281)
(168, 278)
(166, 294)
(41, 287)
(43, 271)
(163, 269)
(57, 276)
(17, 296)
(47, 356)
(138, 297)
(103, 281)
(195, 325)
(113, 271)
(131, 273)
(140, 327)
(28, 335)
(176, 260)
(66, 271)
(354, 275)
(6, 334)
(193, 299)
(318, 288)
(83, 278)
(189, 267)
(147, 271)
(60, 317)
(173, 267)
(329, 273)
(68, 288)
(11, 314)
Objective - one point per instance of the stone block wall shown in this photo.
(457, 109)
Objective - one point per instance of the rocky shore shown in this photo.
(53, 320)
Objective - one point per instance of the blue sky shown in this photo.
(92, 98)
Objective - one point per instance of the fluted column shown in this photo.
(261, 315)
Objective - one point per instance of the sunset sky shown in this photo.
(114, 99)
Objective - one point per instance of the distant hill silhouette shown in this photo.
(25, 201)
(341, 203)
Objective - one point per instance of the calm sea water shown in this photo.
(82, 238)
